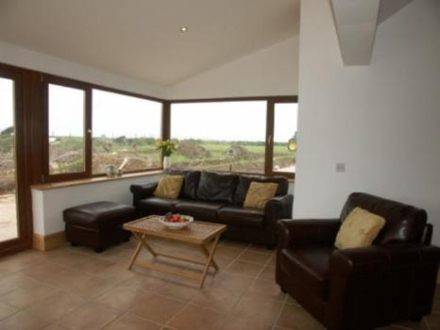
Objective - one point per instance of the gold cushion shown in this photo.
(169, 186)
(359, 229)
(259, 193)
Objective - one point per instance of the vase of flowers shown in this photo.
(168, 148)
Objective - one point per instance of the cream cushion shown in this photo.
(359, 229)
(259, 194)
(169, 186)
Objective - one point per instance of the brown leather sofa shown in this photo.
(218, 197)
(393, 280)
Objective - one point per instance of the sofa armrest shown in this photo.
(280, 206)
(307, 232)
(141, 191)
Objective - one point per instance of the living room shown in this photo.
(379, 120)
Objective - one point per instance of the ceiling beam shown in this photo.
(356, 22)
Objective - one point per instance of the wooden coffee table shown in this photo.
(198, 233)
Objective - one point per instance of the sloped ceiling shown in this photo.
(356, 22)
(141, 38)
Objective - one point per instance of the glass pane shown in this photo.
(125, 130)
(66, 130)
(221, 136)
(285, 128)
(8, 205)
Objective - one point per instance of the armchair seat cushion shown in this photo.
(309, 267)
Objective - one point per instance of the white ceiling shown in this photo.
(141, 38)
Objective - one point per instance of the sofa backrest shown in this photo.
(404, 223)
(222, 186)
(190, 182)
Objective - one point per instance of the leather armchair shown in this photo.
(393, 280)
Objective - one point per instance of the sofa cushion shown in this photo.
(359, 229)
(190, 183)
(216, 187)
(169, 186)
(200, 210)
(259, 194)
(157, 205)
(244, 182)
(237, 216)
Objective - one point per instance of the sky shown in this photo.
(117, 115)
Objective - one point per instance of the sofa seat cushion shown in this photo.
(237, 216)
(200, 210)
(308, 266)
(158, 205)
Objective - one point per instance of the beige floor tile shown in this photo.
(23, 321)
(20, 261)
(23, 297)
(132, 322)
(179, 291)
(44, 271)
(157, 308)
(94, 265)
(255, 257)
(122, 298)
(295, 317)
(55, 306)
(216, 298)
(90, 316)
(267, 288)
(268, 273)
(228, 252)
(243, 323)
(13, 282)
(196, 318)
(229, 281)
(258, 307)
(7, 310)
(245, 269)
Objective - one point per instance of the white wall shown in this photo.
(382, 120)
(48, 205)
(269, 72)
(25, 58)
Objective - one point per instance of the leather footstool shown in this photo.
(97, 225)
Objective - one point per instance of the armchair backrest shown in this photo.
(405, 224)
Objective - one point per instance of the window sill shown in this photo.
(54, 185)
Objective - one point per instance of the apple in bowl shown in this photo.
(176, 220)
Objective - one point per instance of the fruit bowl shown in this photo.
(176, 221)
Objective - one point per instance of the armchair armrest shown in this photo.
(374, 278)
(307, 232)
(141, 191)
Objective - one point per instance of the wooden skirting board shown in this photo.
(49, 242)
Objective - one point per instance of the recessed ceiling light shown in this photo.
(183, 29)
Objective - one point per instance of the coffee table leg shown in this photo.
(209, 261)
(136, 251)
(206, 252)
(141, 242)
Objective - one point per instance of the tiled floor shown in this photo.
(76, 288)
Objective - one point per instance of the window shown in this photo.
(66, 130)
(284, 137)
(124, 132)
(235, 135)
(89, 129)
